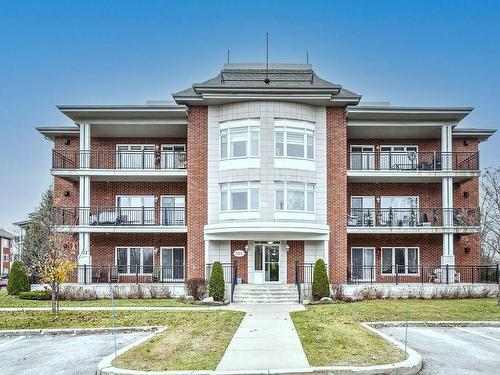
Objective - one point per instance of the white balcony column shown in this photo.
(84, 145)
(446, 147)
(207, 257)
(84, 202)
(326, 256)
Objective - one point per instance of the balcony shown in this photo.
(121, 219)
(413, 220)
(422, 166)
(115, 165)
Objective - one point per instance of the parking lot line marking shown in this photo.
(478, 334)
(6, 343)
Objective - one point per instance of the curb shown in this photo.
(74, 331)
(409, 366)
(444, 323)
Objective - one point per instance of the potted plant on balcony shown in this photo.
(413, 217)
(391, 216)
(435, 216)
(368, 218)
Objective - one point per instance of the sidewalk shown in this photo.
(266, 339)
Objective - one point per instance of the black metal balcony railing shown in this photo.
(413, 161)
(439, 274)
(413, 217)
(127, 274)
(104, 159)
(118, 216)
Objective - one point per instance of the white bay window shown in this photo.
(239, 139)
(294, 196)
(294, 139)
(239, 196)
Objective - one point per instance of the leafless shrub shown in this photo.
(484, 292)
(73, 293)
(337, 292)
(388, 295)
(468, 291)
(444, 293)
(137, 292)
(197, 287)
(159, 291)
(379, 293)
(454, 293)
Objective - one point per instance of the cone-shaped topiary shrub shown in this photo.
(320, 287)
(216, 286)
(18, 279)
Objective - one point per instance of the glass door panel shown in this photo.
(271, 262)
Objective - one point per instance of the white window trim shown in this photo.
(183, 258)
(414, 197)
(161, 207)
(393, 268)
(252, 125)
(249, 196)
(374, 259)
(133, 195)
(129, 145)
(285, 196)
(128, 273)
(306, 127)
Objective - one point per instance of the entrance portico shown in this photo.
(266, 252)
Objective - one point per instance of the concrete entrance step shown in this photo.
(266, 293)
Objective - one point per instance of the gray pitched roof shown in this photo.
(282, 78)
(5, 234)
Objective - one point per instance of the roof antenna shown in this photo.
(228, 56)
(307, 57)
(267, 80)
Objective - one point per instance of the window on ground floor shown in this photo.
(403, 260)
(131, 260)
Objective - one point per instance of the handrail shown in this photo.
(235, 277)
(119, 160)
(297, 280)
(402, 161)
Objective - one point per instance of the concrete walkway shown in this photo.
(266, 339)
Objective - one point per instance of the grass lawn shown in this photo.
(331, 335)
(12, 301)
(194, 340)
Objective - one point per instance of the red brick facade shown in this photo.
(197, 188)
(339, 193)
(295, 253)
(336, 170)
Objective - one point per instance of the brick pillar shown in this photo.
(241, 261)
(295, 253)
(197, 189)
(336, 143)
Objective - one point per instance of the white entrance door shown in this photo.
(266, 263)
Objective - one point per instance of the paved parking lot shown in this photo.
(62, 354)
(458, 351)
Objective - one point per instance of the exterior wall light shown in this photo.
(287, 247)
(246, 248)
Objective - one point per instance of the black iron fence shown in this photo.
(438, 274)
(118, 216)
(413, 160)
(112, 159)
(413, 217)
(90, 274)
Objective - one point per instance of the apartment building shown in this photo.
(6, 245)
(267, 170)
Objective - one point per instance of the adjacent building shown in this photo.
(266, 171)
(6, 245)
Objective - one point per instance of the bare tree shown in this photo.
(49, 248)
(490, 215)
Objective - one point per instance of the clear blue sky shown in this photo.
(126, 52)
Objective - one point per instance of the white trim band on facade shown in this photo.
(123, 229)
(412, 230)
(267, 231)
